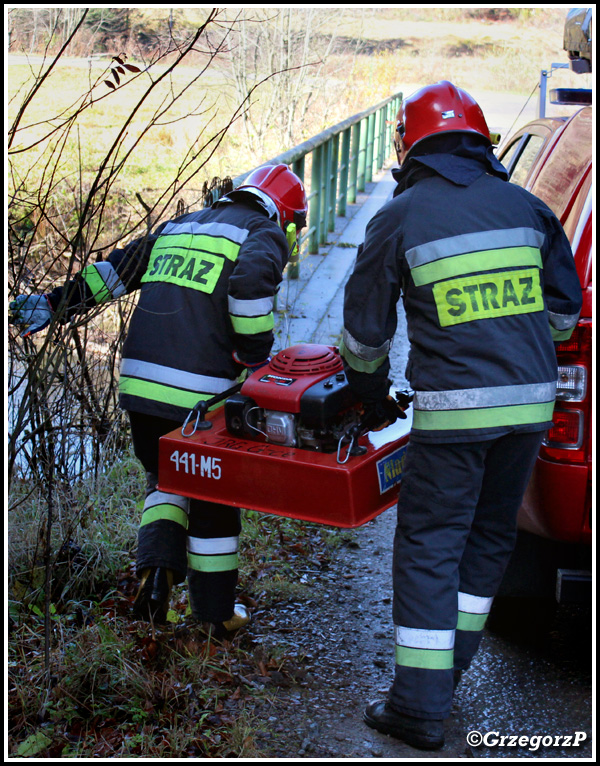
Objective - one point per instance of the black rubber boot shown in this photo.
(153, 596)
(227, 628)
(416, 732)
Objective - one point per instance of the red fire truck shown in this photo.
(552, 157)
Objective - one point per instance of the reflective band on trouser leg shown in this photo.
(163, 506)
(424, 665)
(212, 577)
(163, 532)
(218, 554)
(437, 500)
(473, 612)
(431, 649)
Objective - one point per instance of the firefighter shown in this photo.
(488, 281)
(207, 282)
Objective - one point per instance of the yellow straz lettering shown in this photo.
(487, 296)
(199, 272)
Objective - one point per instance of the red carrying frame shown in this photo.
(285, 481)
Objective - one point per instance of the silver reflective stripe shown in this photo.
(162, 498)
(251, 308)
(563, 321)
(227, 230)
(204, 546)
(265, 201)
(368, 353)
(472, 243)
(111, 279)
(169, 376)
(474, 604)
(492, 396)
(418, 638)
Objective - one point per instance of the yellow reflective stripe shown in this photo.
(358, 364)
(164, 512)
(471, 622)
(487, 417)
(252, 325)
(222, 563)
(96, 284)
(488, 296)
(558, 336)
(487, 396)
(160, 393)
(200, 242)
(431, 659)
(467, 263)
(171, 376)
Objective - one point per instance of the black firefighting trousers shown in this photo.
(185, 535)
(456, 529)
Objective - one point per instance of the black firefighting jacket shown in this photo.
(488, 281)
(207, 283)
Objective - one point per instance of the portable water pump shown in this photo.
(288, 442)
(301, 399)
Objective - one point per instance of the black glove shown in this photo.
(384, 412)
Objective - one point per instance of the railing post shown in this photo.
(362, 154)
(389, 124)
(314, 212)
(333, 181)
(298, 167)
(344, 168)
(354, 151)
(382, 135)
(376, 142)
(369, 158)
(324, 191)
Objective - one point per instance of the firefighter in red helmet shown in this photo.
(440, 108)
(206, 282)
(487, 279)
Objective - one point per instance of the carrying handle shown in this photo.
(403, 399)
(203, 406)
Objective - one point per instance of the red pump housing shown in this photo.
(288, 444)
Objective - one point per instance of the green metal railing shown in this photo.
(342, 159)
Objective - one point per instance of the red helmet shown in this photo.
(283, 188)
(438, 108)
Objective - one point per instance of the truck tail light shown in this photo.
(572, 383)
(579, 343)
(567, 431)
